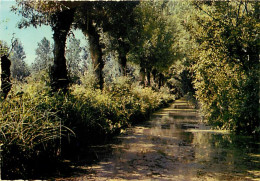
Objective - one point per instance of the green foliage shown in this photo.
(29, 130)
(111, 69)
(117, 24)
(24, 125)
(227, 65)
(154, 37)
(73, 57)
(44, 54)
(105, 113)
(3, 48)
(38, 123)
(19, 69)
(25, 111)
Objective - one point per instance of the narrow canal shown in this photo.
(174, 145)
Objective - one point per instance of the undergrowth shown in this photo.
(37, 125)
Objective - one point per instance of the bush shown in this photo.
(104, 113)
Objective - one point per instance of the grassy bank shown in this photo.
(38, 127)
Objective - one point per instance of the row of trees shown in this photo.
(209, 48)
(138, 32)
(75, 53)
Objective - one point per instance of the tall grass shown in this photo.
(37, 123)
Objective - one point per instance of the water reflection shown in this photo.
(175, 145)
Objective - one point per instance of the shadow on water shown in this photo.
(173, 145)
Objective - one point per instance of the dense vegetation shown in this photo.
(37, 123)
(226, 65)
(135, 63)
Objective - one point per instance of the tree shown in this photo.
(44, 54)
(5, 73)
(59, 15)
(180, 74)
(3, 48)
(61, 28)
(111, 18)
(73, 56)
(227, 64)
(86, 62)
(19, 69)
(118, 24)
(112, 68)
(153, 40)
(90, 17)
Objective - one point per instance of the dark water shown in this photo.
(173, 145)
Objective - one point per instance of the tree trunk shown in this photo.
(96, 52)
(61, 27)
(122, 51)
(161, 80)
(142, 76)
(122, 62)
(148, 75)
(154, 72)
(5, 73)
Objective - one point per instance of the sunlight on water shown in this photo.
(176, 145)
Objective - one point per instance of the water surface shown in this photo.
(173, 145)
